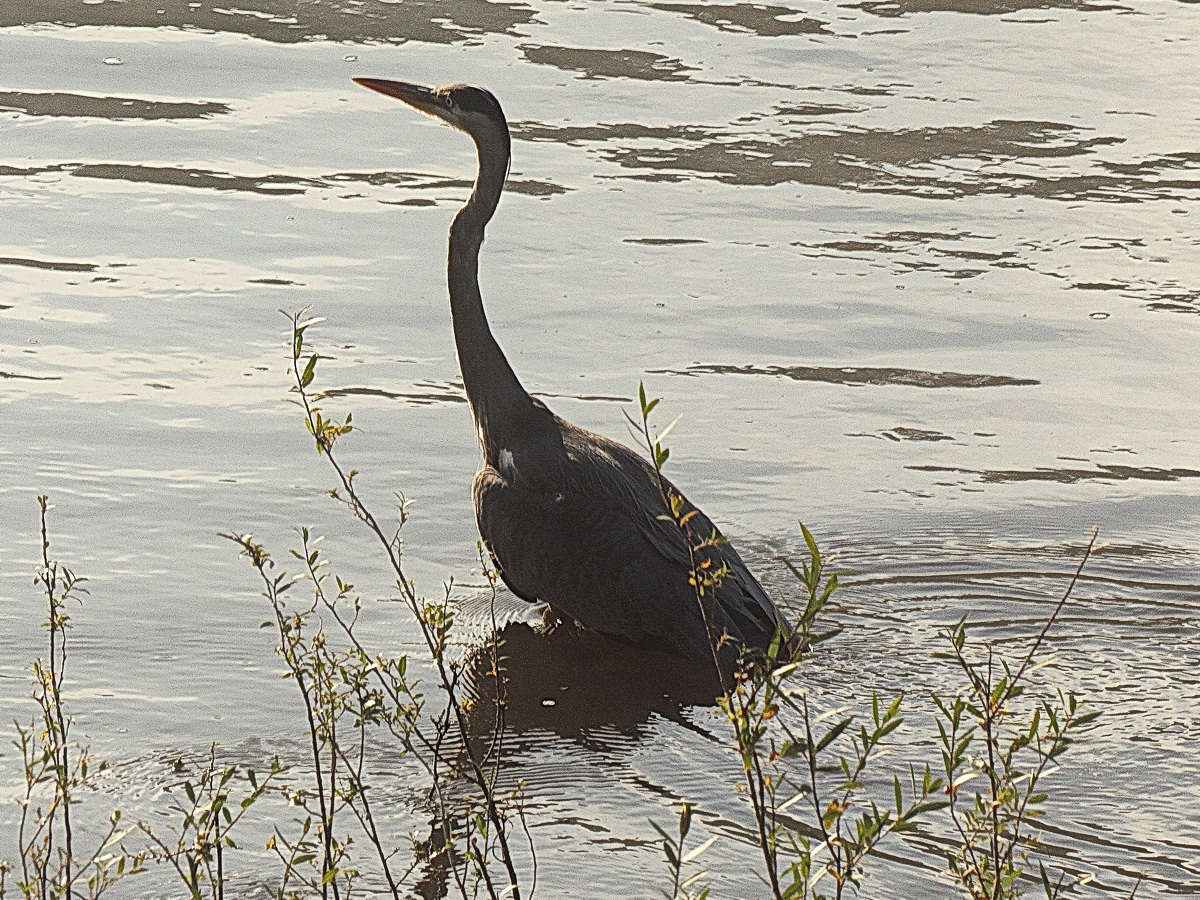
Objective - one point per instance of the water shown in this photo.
(922, 274)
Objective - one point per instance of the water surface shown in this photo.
(922, 274)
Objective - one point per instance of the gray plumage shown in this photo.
(574, 519)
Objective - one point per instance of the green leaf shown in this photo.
(309, 371)
(833, 734)
(813, 552)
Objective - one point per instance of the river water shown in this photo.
(921, 273)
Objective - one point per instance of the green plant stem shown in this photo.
(735, 709)
(57, 723)
(317, 427)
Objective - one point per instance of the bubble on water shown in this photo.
(351, 58)
(1098, 315)
(548, 702)
(113, 61)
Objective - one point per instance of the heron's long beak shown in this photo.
(415, 95)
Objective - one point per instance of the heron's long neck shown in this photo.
(491, 385)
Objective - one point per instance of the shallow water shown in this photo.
(923, 274)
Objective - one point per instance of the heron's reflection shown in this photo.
(570, 680)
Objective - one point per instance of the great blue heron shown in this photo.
(573, 519)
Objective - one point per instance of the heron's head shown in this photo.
(464, 106)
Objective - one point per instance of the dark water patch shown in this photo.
(799, 112)
(281, 282)
(269, 184)
(534, 188)
(81, 105)
(1156, 166)
(30, 377)
(909, 251)
(419, 181)
(1109, 243)
(289, 21)
(932, 162)
(639, 64)
(53, 266)
(754, 18)
(978, 255)
(598, 398)
(896, 8)
(873, 160)
(863, 91)
(811, 110)
(380, 179)
(902, 433)
(854, 376)
(1175, 300)
(195, 178)
(1068, 476)
(577, 135)
(867, 246)
(664, 242)
(1098, 286)
(433, 393)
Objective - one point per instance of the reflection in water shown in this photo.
(609, 63)
(569, 681)
(855, 375)
(58, 104)
(756, 18)
(290, 21)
